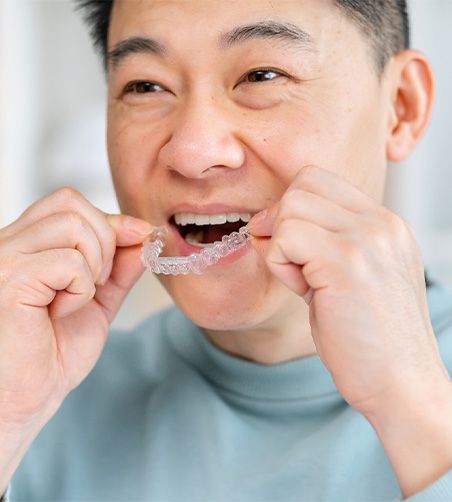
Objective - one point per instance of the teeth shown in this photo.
(196, 238)
(218, 219)
(202, 219)
(233, 217)
(213, 219)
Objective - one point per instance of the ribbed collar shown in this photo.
(305, 378)
(301, 379)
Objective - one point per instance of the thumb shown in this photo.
(129, 230)
(127, 269)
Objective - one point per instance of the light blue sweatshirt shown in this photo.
(167, 416)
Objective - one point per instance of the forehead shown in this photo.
(204, 19)
(189, 32)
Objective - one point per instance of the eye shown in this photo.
(262, 75)
(142, 87)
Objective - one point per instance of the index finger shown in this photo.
(111, 230)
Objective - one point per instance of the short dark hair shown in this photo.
(385, 22)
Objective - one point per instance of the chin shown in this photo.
(228, 298)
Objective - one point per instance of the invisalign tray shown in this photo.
(195, 263)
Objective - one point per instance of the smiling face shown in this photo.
(214, 106)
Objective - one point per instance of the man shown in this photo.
(310, 365)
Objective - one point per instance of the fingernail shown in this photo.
(137, 226)
(257, 218)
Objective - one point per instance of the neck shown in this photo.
(284, 339)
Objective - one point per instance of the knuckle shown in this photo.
(286, 206)
(307, 176)
(77, 259)
(384, 231)
(74, 259)
(355, 257)
(351, 250)
(288, 227)
(376, 232)
(291, 197)
(75, 221)
(291, 201)
(396, 224)
(66, 196)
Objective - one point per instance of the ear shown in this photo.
(412, 95)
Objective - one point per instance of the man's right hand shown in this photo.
(65, 268)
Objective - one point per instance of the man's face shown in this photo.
(220, 115)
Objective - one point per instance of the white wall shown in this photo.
(52, 101)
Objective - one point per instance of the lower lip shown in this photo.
(186, 249)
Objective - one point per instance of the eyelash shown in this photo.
(131, 87)
(263, 71)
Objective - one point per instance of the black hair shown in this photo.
(385, 22)
(97, 14)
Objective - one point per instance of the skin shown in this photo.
(190, 132)
(330, 270)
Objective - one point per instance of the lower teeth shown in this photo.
(196, 238)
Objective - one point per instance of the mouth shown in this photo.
(200, 230)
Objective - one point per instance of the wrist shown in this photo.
(429, 402)
(25, 417)
(415, 429)
(15, 441)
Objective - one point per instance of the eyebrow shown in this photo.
(270, 30)
(134, 45)
(273, 30)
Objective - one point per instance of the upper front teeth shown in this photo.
(212, 219)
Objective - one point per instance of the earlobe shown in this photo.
(413, 91)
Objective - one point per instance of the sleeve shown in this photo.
(5, 496)
(439, 491)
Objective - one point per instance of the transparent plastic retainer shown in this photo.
(195, 263)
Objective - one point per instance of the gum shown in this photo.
(195, 263)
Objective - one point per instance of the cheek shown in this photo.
(131, 157)
(128, 146)
(292, 137)
(364, 148)
(345, 135)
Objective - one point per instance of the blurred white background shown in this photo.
(52, 114)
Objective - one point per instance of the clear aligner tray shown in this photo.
(195, 263)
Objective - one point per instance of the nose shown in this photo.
(202, 141)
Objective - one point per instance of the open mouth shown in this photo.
(203, 229)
